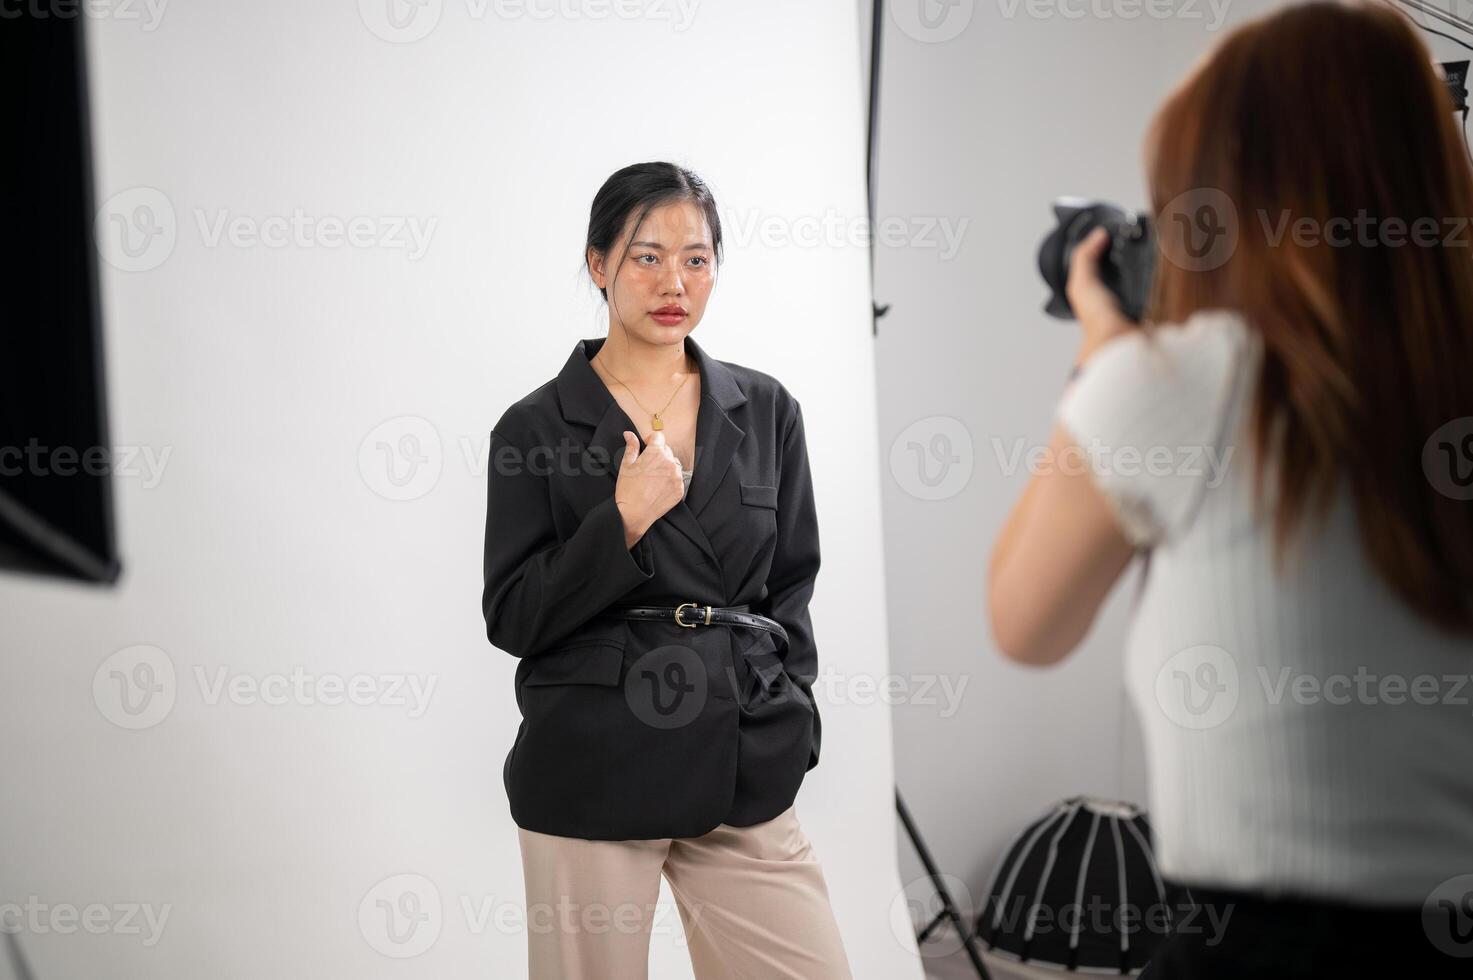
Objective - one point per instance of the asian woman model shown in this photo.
(651, 548)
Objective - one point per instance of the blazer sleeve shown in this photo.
(539, 589)
(794, 569)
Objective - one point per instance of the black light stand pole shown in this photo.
(948, 907)
(17, 963)
(1431, 10)
(876, 34)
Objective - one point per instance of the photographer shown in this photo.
(1332, 822)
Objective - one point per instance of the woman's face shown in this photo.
(669, 263)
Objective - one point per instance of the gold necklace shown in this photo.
(656, 422)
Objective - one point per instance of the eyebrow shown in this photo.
(658, 247)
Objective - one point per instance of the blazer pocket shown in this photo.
(756, 495)
(597, 661)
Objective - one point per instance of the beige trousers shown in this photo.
(753, 904)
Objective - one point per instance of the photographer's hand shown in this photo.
(1094, 305)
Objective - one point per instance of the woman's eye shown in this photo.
(699, 258)
(638, 258)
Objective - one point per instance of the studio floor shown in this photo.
(944, 959)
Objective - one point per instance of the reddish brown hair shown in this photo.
(1333, 111)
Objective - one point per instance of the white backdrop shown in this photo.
(339, 242)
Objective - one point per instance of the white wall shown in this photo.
(986, 119)
(270, 543)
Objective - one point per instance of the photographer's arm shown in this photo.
(1059, 554)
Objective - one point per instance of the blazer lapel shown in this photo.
(585, 400)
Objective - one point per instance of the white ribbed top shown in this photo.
(1304, 733)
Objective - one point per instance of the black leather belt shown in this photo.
(691, 615)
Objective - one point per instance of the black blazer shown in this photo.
(641, 730)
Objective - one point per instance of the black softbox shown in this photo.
(1078, 890)
(55, 457)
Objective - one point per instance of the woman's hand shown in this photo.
(649, 484)
(1094, 305)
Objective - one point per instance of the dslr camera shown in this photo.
(1126, 267)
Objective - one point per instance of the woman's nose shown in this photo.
(670, 281)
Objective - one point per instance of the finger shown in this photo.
(631, 446)
(1094, 242)
(1084, 271)
(1087, 253)
(658, 439)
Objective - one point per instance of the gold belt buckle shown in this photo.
(692, 605)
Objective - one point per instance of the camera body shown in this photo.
(1126, 267)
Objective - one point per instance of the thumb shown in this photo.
(631, 446)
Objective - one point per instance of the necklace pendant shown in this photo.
(656, 422)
